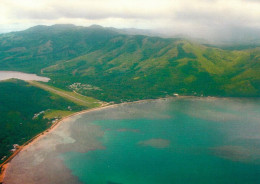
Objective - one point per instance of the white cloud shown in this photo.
(177, 16)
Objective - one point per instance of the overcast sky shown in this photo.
(193, 17)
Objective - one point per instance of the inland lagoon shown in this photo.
(5, 75)
(176, 140)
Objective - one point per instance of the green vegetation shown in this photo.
(26, 110)
(50, 114)
(71, 96)
(116, 67)
(106, 65)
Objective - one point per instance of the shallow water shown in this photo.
(180, 140)
(4, 75)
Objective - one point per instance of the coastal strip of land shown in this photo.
(4, 165)
(88, 102)
(71, 96)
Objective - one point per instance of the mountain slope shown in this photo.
(115, 67)
(41, 46)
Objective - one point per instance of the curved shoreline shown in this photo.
(5, 164)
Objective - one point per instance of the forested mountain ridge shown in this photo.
(113, 66)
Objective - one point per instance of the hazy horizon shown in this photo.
(213, 20)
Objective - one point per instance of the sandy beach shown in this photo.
(3, 170)
(78, 147)
(30, 142)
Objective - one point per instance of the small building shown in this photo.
(175, 94)
(56, 119)
(16, 146)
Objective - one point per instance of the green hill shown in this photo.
(111, 66)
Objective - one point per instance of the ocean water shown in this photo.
(179, 140)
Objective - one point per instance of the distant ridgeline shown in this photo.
(112, 66)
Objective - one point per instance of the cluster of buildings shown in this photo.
(15, 147)
(56, 119)
(79, 86)
(38, 114)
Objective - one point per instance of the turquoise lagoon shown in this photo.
(166, 141)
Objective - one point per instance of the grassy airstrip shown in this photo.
(29, 108)
(88, 102)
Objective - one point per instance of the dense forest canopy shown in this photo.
(20, 112)
(122, 67)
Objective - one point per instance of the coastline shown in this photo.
(28, 143)
(3, 170)
(6, 163)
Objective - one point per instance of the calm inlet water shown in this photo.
(181, 140)
(4, 75)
